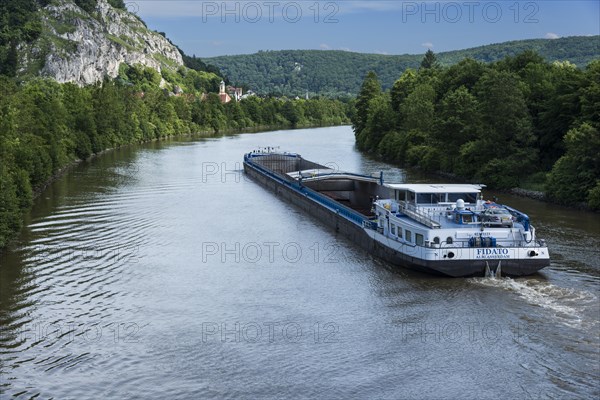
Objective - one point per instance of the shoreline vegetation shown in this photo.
(38, 191)
(520, 124)
(47, 127)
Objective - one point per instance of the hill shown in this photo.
(79, 41)
(332, 72)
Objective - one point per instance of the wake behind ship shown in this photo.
(444, 229)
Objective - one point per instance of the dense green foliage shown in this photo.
(45, 126)
(87, 5)
(118, 4)
(497, 123)
(335, 73)
(19, 23)
(197, 64)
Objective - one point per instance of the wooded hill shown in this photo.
(338, 73)
(519, 122)
(45, 125)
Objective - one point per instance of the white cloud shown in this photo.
(551, 35)
(324, 46)
(345, 49)
(429, 45)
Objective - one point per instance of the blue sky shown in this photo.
(211, 28)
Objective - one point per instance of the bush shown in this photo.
(594, 197)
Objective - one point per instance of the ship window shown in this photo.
(436, 240)
(424, 198)
(467, 218)
(449, 240)
(408, 236)
(400, 232)
(419, 239)
(438, 198)
(455, 196)
(411, 197)
(393, 229)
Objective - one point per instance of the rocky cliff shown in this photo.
(84, 47)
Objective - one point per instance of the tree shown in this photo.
(418, 109)
(379, 122)
(459, 123)
(506, 151)
(87, 5)
(117, 4)
(369, 90)
(590, 94)
(430, 60)
(576, 174)
(402, 88)
(10, 214)
(465, 73)
(292, 112)
(559, 106)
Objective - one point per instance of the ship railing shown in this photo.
(418, 215)
(500, 244)
(368, 224)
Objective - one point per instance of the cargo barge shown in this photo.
(445, 229)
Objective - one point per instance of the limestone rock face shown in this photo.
(84, 48)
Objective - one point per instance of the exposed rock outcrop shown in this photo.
(84, 48)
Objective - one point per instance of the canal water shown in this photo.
(161, 271)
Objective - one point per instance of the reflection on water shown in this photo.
(162, 271)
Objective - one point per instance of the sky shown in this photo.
(223, 27)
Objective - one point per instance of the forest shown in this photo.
(46, 126)
(340, 73)
(519, 122)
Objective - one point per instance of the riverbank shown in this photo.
(39, 190)
(531, 194)
(200, 134)
(132, 257)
